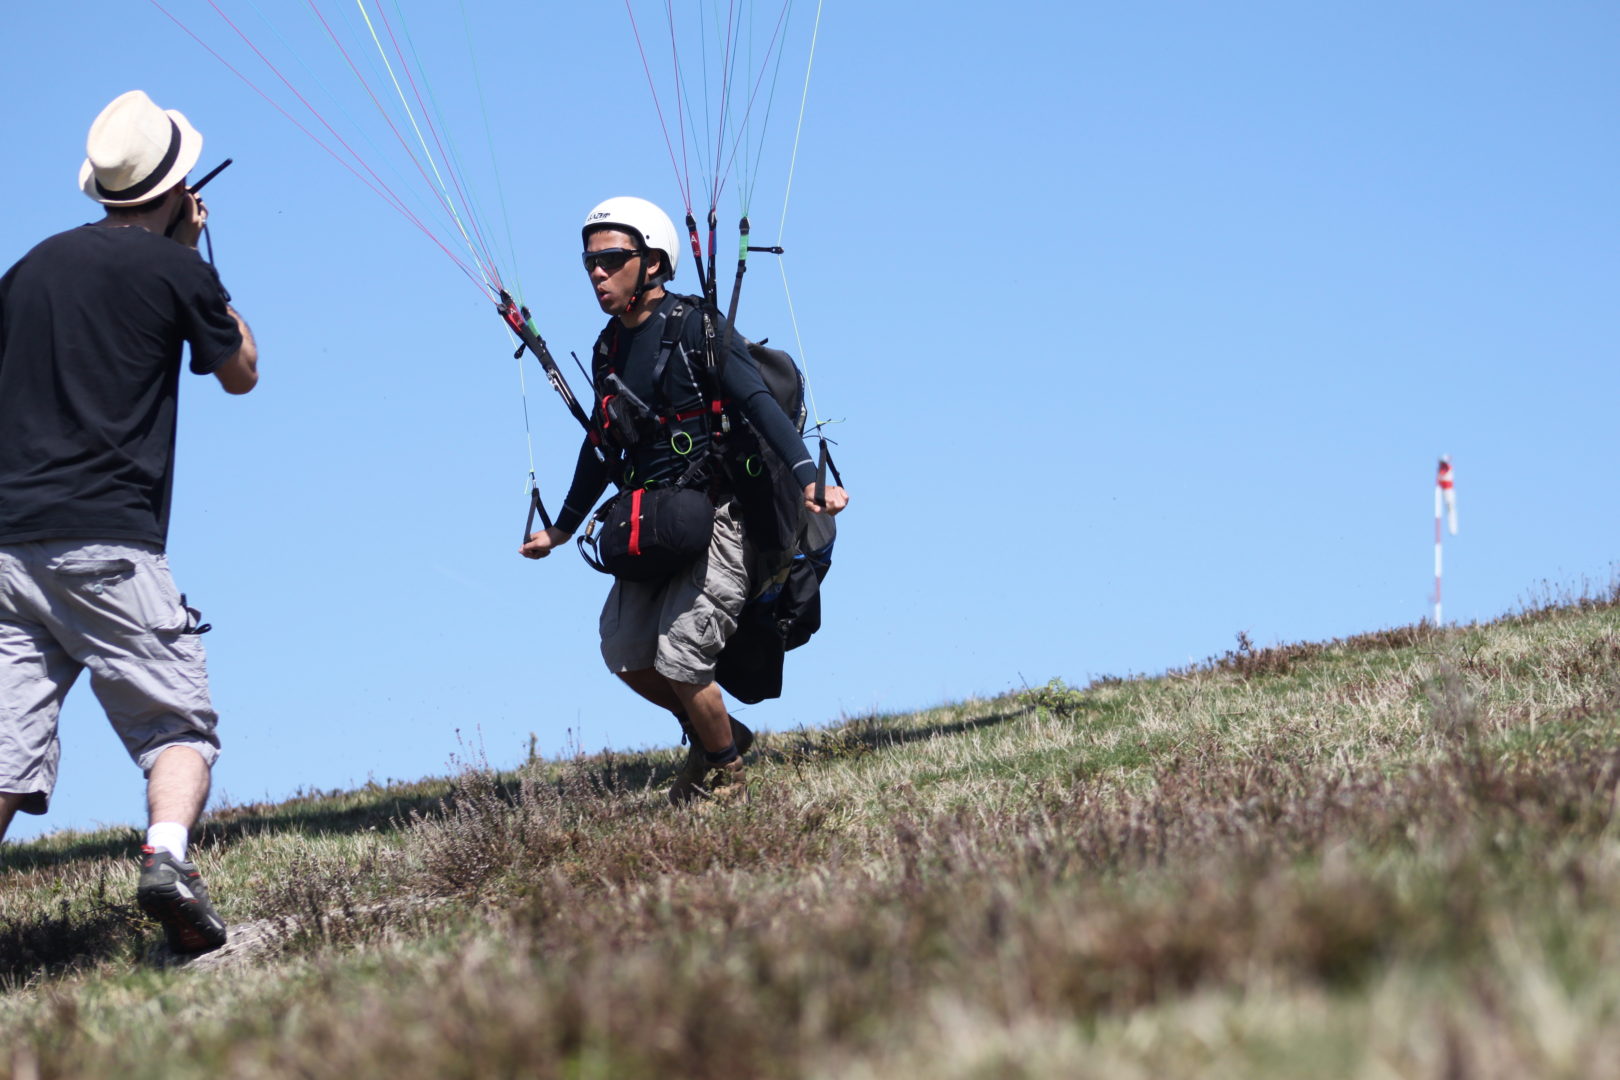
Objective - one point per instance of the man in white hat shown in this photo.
(92, 322)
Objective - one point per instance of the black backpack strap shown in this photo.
(709, 371)
(607, 343)
(719, 350)
(674, 327)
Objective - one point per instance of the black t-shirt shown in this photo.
(632, 355)
(91, 325)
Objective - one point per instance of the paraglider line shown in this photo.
(455, 215)
(379, 188)
(454, 179)
(651, 85)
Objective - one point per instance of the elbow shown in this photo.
(240, 374)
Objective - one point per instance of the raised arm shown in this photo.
(240, 373)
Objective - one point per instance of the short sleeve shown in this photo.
(209, 327)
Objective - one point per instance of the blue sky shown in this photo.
(1146, 324)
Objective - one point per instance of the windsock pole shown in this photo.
(1445, 500)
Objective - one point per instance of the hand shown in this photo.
(836, 497)
(193, 217)
(540, 544)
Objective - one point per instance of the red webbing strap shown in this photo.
(635, 521)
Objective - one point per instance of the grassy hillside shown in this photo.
(1395, 855)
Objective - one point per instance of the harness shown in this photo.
(628, 423)
(736, 463)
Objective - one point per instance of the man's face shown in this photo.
(614, 277)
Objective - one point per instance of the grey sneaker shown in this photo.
(689, 781)
(173, 893)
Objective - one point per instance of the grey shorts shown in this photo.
(110, 606)
(678, 627)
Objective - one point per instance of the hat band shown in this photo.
(135, 191)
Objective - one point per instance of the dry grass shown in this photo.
(1391, 855)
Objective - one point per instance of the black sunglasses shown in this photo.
(609, 259)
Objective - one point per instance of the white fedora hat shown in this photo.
(137, 151)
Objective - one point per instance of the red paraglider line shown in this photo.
(404, 144)
(483, 245)
(378, 187)
(753, 96)
(686, 192)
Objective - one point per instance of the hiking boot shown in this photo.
(728, 784)
(173, 893)
(689, 781)
(740, 734)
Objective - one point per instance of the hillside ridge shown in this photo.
(1396, 847)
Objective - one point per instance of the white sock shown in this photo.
(168, 834)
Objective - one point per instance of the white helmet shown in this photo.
(642, 219)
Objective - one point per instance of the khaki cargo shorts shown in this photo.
(110, 606)
(678, 627)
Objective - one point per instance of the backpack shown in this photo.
(781, 616)
(794, 547)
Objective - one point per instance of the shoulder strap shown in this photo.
(717, 341)
(605, 343)
(712, 365)
(674, 327)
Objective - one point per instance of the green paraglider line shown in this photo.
(376, 183)
(452, 158)
(338, 104)
(489, 136)
(487, 271)
(495, 276)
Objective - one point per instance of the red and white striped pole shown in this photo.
(1445, 503)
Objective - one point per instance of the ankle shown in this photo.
(170, 835)
(718, 758)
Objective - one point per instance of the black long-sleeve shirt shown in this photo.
(632, 355)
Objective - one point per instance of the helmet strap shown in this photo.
(641, 282)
